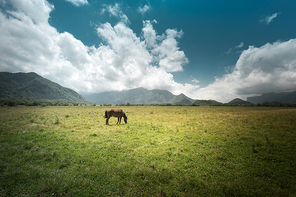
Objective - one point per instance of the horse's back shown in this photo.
(115, 112)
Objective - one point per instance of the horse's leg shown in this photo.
(119, 120)
(107, 121)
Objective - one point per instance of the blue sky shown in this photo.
(205, 49)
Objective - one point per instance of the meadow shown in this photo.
(162, 151)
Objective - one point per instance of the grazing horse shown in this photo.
(115, 113)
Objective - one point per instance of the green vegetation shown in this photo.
(37, 102)
(162, 151)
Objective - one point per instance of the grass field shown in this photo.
(162, 151)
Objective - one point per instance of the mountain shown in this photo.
(33, 86)
(283, 97)
(139, 96)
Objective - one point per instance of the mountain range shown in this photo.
(33, 86)
(139, 96)
(283, 97)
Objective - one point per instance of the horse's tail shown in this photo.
(105, 114)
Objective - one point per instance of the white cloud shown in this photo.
(139, 63)
(167, 52)
(269, 19)
(116, 12)
(78, 2)
(241, 45)
(270, 68)
(194, 80)
(149, 33)
(30, 44)
(144, 9)
(39, 15)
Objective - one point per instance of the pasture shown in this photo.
(162, 151)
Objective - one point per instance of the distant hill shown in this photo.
(33, 86)
(182, 99)
(238, 101)
(283, 97)
(206, 103)
(139, 96)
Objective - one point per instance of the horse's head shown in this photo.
(125, 118)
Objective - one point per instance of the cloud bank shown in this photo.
(270, 68)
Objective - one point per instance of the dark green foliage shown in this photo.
(34, 102)
(11, 103)
(32, 86)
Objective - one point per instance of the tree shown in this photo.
(11, 103)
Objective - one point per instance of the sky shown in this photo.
(206, 49)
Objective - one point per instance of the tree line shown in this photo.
(37, 102)
(52, 102)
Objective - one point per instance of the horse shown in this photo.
(115, 113)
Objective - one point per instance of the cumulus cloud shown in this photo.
(78, 2)
(270, 68)
(164, 48)
(149, 33)
(269, 19)
(144, 9)
(138, 62)
(123, 61)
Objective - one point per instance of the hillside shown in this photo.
(239, 102)
(283, 97)
(182, 99)
(33, 86)
(206, 103)
(139, 96)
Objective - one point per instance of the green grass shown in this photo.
(162, 151)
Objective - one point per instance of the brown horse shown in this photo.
(115, 113)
